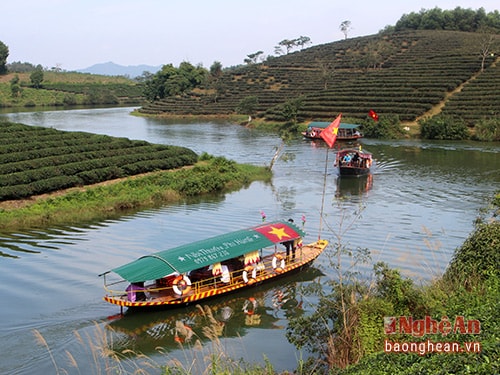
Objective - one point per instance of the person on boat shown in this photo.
(290, 246)
(355, 159)
(347, 159)
(199, 274)
(136, 292)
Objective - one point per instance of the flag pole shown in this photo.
(323, 195)
(329, 135)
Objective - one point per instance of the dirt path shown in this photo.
(439, 107)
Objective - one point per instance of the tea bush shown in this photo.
(37, 160)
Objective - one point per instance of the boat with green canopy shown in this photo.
(346, 132)
(211, 267)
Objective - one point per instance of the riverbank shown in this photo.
(254, 123)
(411, 129)
(114, 198)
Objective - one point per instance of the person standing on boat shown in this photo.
(290, 246)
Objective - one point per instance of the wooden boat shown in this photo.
(230, 315)
(353, 162)
(211, 267)
(346, 132)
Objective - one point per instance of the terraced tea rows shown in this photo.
(415, 71)
(35, 160)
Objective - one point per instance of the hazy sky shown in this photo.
(75, 34)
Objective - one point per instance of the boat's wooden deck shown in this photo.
(270, 266)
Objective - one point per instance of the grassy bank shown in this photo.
(114, 198)
(390, 325)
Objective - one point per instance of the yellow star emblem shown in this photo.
(335, 130)
(279, 232)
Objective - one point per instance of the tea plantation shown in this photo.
(403, 73)
(36, 160)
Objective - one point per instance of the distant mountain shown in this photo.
(112, 69)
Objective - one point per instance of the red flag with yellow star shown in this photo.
(373, 114)
(329, 134)
(278, 232)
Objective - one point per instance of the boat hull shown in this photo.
(353, 171)
(339, 138)
(270, 271)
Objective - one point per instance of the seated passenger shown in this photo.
(226, 275)
(136, 292)
(200, 274)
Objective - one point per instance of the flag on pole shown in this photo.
(329, 134)
(373, 114)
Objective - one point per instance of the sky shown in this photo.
(76, 34)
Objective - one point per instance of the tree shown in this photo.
(4, 53)
(345, 27)
(485, 45)
(214, 78)
(375, 53)
(248, 106)
(291, 109)
(278, 50)
(459, 19)
(170, 81)
(37, 77)
(327, 71)
(144, 77)
(253, 57)
(21, 67)
(288, 44)
(303, 41)
(15, 87)
(216, 69)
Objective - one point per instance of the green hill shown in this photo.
(408, 74)
(68, 89)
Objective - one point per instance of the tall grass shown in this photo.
(99, 357)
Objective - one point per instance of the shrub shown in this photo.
(388, 127)
(478, 258)
(400, 293)
(443, 127)
(487, 130)
(69, 99)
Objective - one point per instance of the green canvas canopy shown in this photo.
(209, 251)
(323, 124)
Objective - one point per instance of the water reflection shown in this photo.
(262, 307)
(14, 244)
(353, 185)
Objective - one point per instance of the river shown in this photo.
(418, 205)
